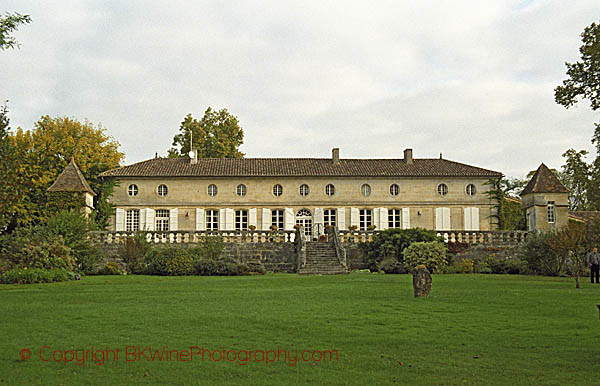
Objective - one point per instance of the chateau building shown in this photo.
(188, 194)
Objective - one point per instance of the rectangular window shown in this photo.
(394, 218)
(277, 218)
(241, 220)
(212, 220)
(551, 212)
(329, 217)
(133, 220)
(365, 219)
(162, 220)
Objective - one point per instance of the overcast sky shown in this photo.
(473, 80)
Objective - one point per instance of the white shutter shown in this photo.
(120, 220)
(173, 217)
(229, 219)
(143, 219)
(439, 219)
(354, 216)
(468, 220)
(288, 218)
(447, 225)
(319, 219)
(376, 217)
(405, 218)
(150, 225)
(252, 217)
(222, 219)
(200, 223)
(341, 219)
(266, 219)
(475, 219)
(383, 219)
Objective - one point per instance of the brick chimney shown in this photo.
(408, 156)
(335, 155)
(193, 154)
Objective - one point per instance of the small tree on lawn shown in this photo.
(570, 244)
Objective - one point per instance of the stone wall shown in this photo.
(275, 257)
(355, 256)
(482, 251)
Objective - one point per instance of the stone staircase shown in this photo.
(321, 259)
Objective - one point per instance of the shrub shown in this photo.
(169, 261)
(460, 266)
(225, 267)
(540, 258)
(432, 254)
(72, 226)
(111, 268)
(391, 243)
(34, 247)
(393, 266)
(34, 275)
(133, 251)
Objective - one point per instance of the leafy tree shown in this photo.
(217, 135)
(577, 179)
(507, 214)
(571, 244)
(7, 169)
(9, 23)
(583, 82)
(45, 151)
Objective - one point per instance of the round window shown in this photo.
(394, 189)
(241, 190)
(132, 190)
(329, 189)
(162, 190)
(471, 190)
(277, 190)
(442, 189)
(365, 189)
(304, 190)
(212, 190)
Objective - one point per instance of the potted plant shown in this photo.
(252, 228)
(352, 227)
(371, 227)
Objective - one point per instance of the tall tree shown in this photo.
(583, 82)
(217, 135)
(7, 169)
(45, 151)
(9, 23)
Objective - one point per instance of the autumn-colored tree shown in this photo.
(44, 152)
(7, 169)
(217, 135)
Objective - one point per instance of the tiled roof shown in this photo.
(71, 180)
(291, 167)
(544, 181)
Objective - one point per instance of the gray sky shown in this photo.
(473, 80)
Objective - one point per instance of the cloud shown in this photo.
(473, 80)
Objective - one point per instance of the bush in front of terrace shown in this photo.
(389, 244)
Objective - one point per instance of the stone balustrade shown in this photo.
(345, 236)
(190, 237)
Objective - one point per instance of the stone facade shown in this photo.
(405, 196)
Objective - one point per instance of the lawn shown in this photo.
(473, 329)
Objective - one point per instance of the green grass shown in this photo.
(473, 329)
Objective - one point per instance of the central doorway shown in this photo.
(304, 218)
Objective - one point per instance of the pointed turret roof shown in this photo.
(544, 181)
(71, 180)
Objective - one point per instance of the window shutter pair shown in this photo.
(471, 219)
(146, 219)
(288, 219)
(442, 219)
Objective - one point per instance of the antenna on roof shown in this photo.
(440, 155)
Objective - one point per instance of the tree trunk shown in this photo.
(576, 281)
